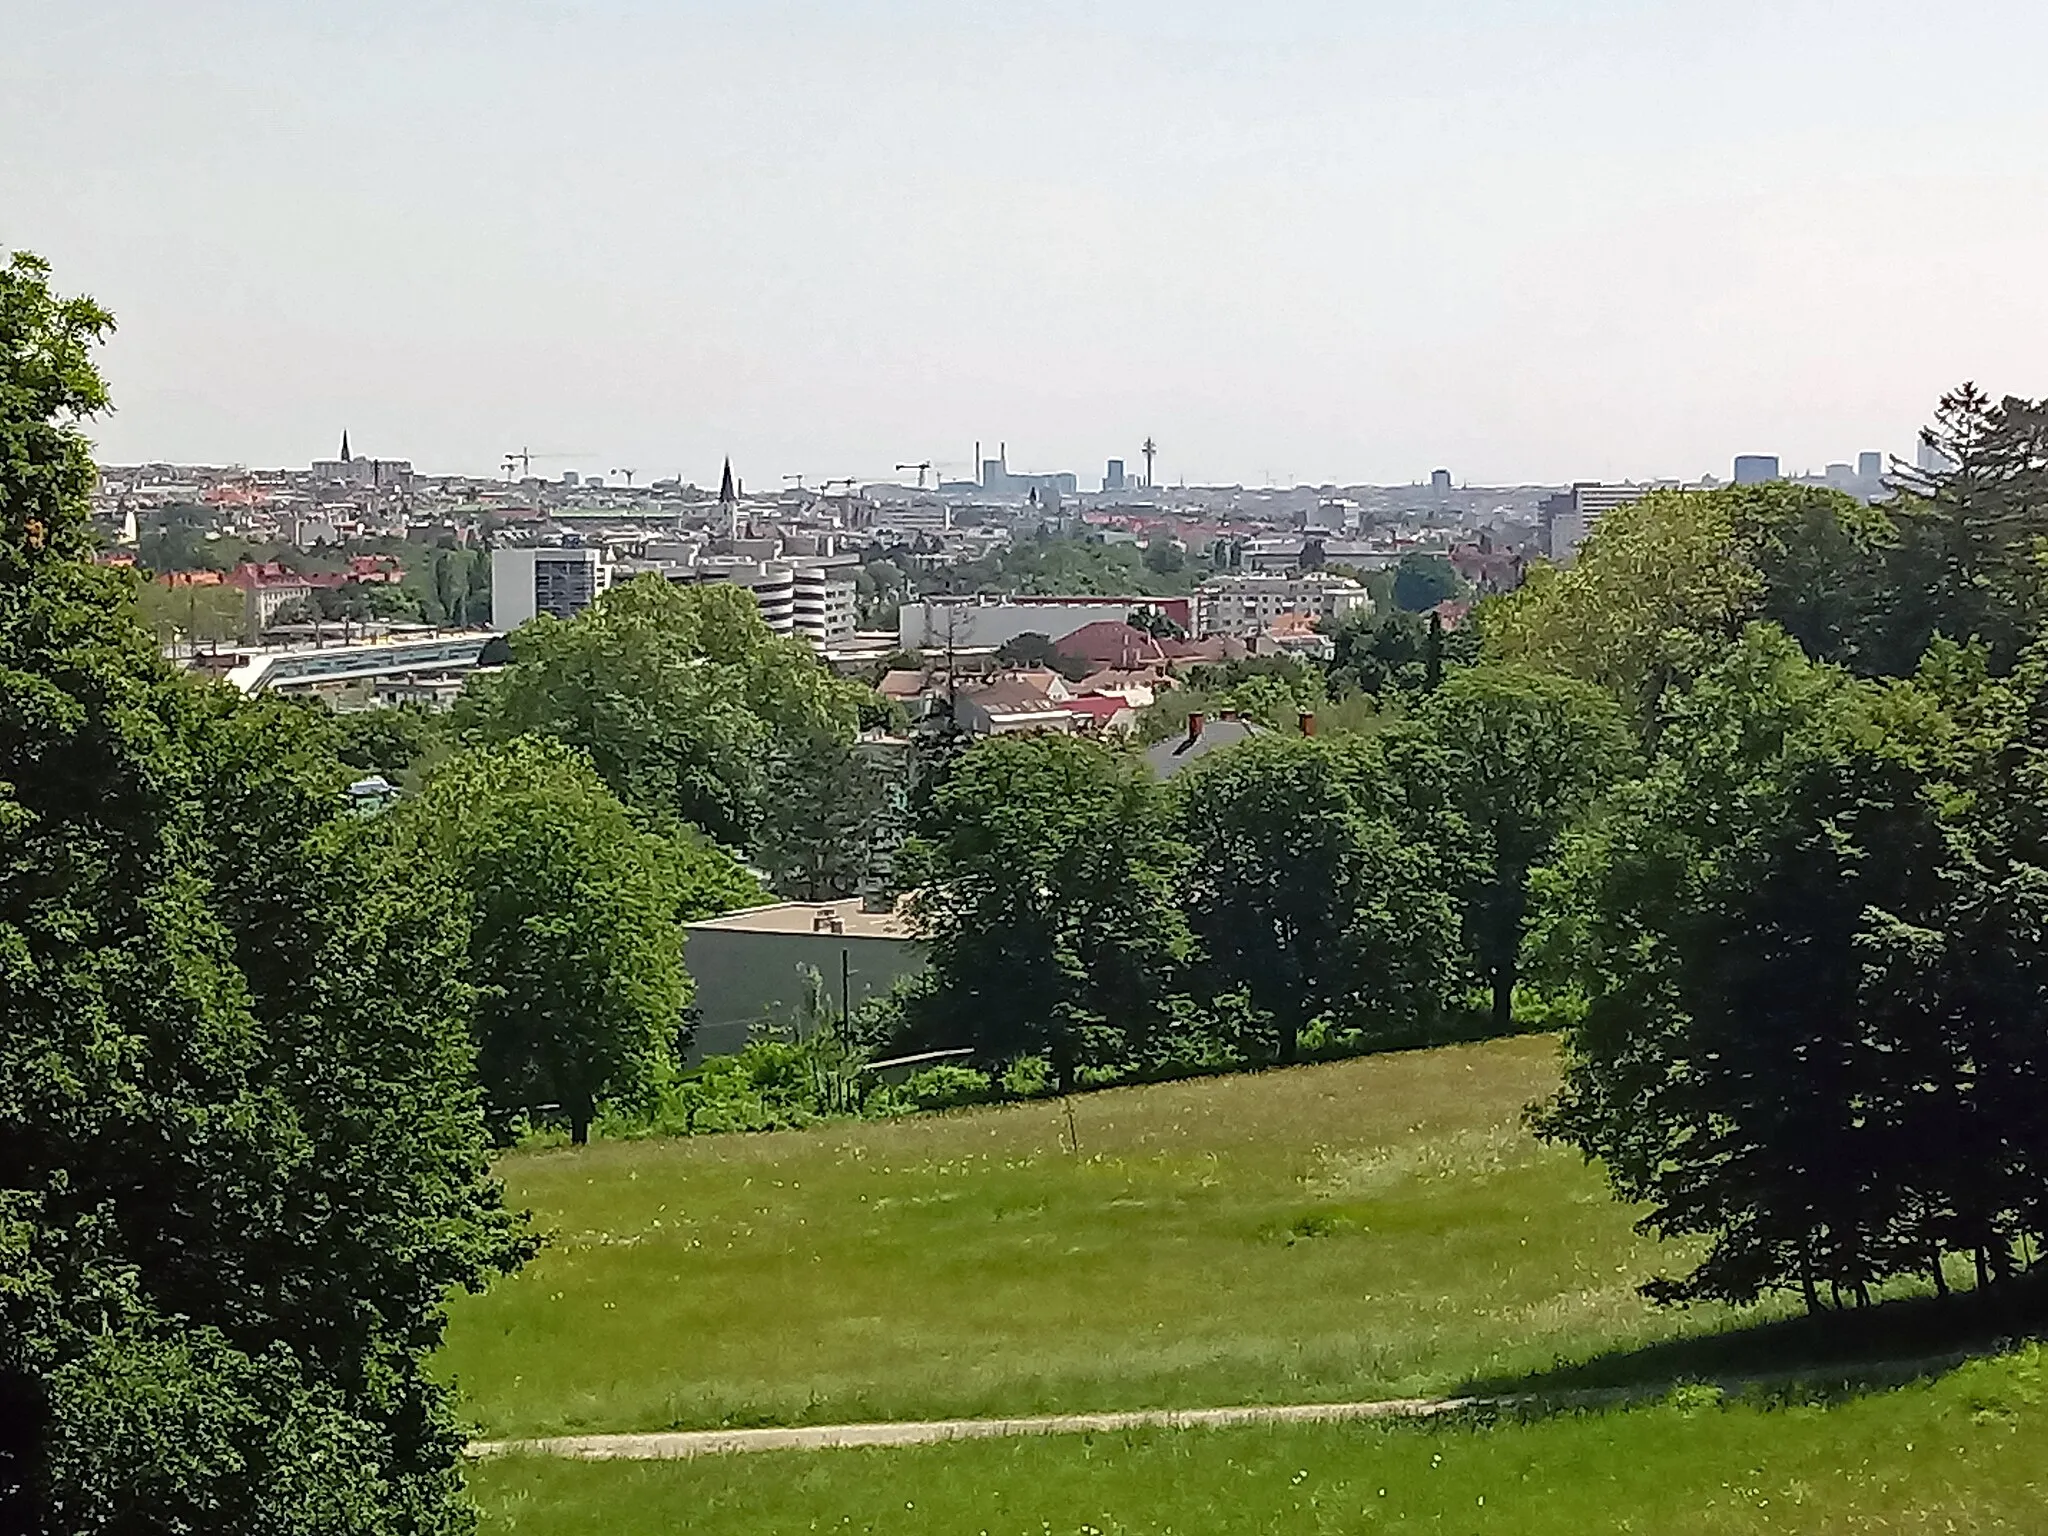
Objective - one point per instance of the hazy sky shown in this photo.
(1296, 239)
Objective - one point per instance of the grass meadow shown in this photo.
(1964, 1453)
(1381, 1227)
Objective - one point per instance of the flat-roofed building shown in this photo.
(1574, 514)
(558, 581)
(1250, 605)
(754, 967)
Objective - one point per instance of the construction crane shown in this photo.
(525, 460)
(798, 479)
(922, 470)
(846, 480)
(629, 474)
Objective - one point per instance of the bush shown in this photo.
(947, 1087)
(768, 1086)
(1028, 1077)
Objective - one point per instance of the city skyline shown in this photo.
(1315, 244)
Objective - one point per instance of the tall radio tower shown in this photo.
(1149, 450)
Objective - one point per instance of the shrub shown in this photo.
(946, 1086)
(1028, 1077)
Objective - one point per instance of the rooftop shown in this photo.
(815, 917)
(1168, 757)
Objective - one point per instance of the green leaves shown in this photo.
(1301, 890)
(241, 1155)
(574, 944)
(1811, 957)
(676, 696)
(1050, 907)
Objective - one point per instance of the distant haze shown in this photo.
(1337, 240)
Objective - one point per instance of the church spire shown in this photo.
(729, 501)
(344, 445)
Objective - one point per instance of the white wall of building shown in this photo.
(1249, 605)
(526, 582)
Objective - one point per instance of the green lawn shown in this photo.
(1372, 1228)
(1965, 1453)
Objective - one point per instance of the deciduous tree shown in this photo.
(1501, 761)
(1303, 893)
(574, 948)
(677, 697)
(242, 1161)
(1048, 899)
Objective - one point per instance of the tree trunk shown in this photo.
(1510, 902)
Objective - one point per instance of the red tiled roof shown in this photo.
(1111, 642)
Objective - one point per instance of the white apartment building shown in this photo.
(1250, 605)
(824, 602)
(528, 582)
(812, 598)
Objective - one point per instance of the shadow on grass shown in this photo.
(1826, 1354)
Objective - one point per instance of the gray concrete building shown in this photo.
(751, 967)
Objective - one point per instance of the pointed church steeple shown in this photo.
(729, 502)
(344, 445)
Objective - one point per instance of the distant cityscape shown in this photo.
(1273, 568)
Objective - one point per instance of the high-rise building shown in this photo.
(560, 582)
(1113, 476)
(1756, 468)
(1931, 460)
(1870, 466)
(1440, 480)
(1569, 516)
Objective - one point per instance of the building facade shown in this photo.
(754, 967)
(983, 624)
(1569, 517)
(560, 582)
(1248, 606)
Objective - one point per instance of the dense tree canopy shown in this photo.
(242, 1160)
(828, 800)
(1811, 968)
(1422, 580)
(1050, 873)
(678, 696)
(1301, 891)
(1499, 763)
(574, 946)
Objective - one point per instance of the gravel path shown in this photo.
(816, 1437)
(680, 1444)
